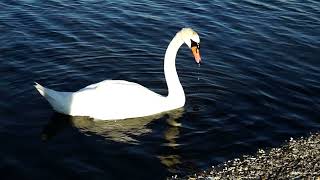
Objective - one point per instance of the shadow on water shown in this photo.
(126, 131)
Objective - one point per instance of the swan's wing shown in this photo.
(116, 97)
(93, 86)
(117, 87)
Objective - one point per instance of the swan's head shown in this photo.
(191, 38)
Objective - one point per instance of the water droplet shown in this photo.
(198, 73)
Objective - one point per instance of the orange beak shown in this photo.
(196, 54)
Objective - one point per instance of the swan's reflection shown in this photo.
(124, 131)
(170, 160)
(120, 131)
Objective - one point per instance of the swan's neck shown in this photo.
(175, 90)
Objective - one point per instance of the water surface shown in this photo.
(258, 85)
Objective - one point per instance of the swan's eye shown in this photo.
(194, 44)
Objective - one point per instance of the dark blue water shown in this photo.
(259, 84)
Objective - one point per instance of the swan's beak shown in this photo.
(196, 54)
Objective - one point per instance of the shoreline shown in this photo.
(296, 159)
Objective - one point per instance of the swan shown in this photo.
(119, 99)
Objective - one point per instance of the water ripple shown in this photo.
(258, 84)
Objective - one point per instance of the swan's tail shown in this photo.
(60, 101)
(40, 88)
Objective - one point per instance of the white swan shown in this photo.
(118, 99)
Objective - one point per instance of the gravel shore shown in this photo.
(297, 159)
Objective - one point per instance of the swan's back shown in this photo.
(116, 99)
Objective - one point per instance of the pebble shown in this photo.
(298, 159)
